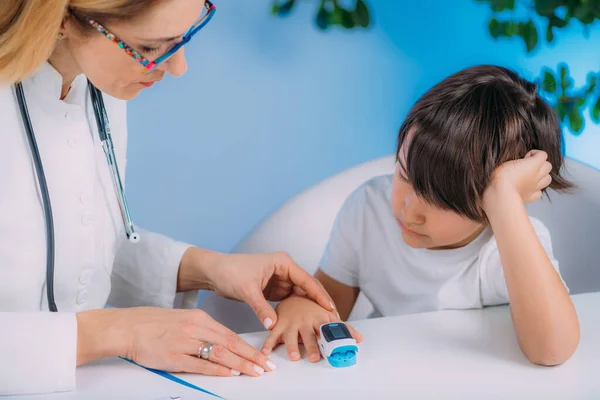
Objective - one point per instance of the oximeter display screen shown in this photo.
(335, 332)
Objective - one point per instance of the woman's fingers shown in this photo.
(289, 270)
(217, 334)
(261, 307)
(196, 365)
(237, 345)
(221, 355)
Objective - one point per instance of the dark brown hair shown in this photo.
(464, 127)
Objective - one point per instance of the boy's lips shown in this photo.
(408, 231)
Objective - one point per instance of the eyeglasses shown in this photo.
(149, 66)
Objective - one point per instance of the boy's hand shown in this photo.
(298, 321)
(527, 177)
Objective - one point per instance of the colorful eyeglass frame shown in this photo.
(148, 65)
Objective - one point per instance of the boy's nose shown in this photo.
(413, 210)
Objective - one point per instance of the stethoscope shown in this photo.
(107, 146)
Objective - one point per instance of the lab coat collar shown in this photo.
(49, 82)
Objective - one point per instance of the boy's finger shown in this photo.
(272, 341)
(355, 334)
(535, 196)
(545, 169)
(290, 337)
(544, 182)
(540, 154)
(310, 343)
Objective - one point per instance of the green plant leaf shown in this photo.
(498, 28)
(501, 5)
(346, 18)
(595, 112)
(561, 110)
(565, 81)
(342, 17)
(284, 9)
(546, 8)
(322, 18)
(530, 35)
(549, 82)
(592, 81)
(510, 28)
(361, 14)
(575, 121)
(584, 12)
(558, 22)
(494, 27)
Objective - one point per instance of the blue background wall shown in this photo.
(271, 106)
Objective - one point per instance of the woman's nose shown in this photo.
(177, 64)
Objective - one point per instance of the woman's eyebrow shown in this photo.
(160, 39)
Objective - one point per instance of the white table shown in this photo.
(449, 354)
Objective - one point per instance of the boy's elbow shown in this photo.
(548, 360)
(552, 354)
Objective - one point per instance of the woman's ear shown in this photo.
(66, 25)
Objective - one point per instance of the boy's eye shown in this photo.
(403, 178)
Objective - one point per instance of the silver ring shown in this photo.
(204, 350)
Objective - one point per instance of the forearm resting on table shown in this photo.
(343, 296)
(541, 309)
(100, 335)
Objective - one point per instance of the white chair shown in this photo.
(302, 227)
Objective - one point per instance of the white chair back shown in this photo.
(302, 227)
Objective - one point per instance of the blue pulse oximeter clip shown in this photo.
(337, 345)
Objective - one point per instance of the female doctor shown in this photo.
(67, 243)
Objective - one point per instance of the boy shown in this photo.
(449, 230)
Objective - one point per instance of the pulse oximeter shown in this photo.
(337, 345)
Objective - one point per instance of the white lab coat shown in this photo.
(94, 263)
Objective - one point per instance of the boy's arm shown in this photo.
(542, 311)
(343, 296)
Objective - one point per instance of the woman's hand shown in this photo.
(253, 279)
(167, 340)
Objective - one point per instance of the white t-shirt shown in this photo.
(366, 250)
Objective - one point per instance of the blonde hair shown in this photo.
(29, 28)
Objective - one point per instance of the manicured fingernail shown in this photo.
(235, 373)
(268, 322)
(332, 305)
(314, 357)
(271, 365)
(294, 355)
(259, 370)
